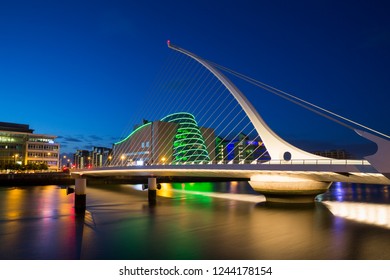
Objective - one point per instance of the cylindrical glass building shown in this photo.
(188, 145)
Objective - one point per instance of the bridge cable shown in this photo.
(297, 100)
(186, 100)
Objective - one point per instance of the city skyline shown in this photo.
(77, 69)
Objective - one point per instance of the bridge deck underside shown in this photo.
(324, 173)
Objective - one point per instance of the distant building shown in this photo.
(98, 157)
(101, 156)
(19, 145)
(241, 149)
(82, 159)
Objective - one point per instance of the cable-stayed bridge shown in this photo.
(229, 139)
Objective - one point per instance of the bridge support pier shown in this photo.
(80, 198)
(289, 190)
(152, 190)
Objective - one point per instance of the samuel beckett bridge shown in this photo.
(203, 126)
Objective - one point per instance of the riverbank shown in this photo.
(33, 179)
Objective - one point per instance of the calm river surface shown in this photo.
(193, 221)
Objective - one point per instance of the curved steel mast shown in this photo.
(277, 148)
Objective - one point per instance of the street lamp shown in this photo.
(122, 158)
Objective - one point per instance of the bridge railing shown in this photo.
(278, 162)
(319, 162)
(356, 162)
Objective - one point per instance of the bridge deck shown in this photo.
(354, 173)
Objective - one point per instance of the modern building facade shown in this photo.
(101, 156)
(19, 145)
(241, 149)
(97, 157)
(82, 159)
(176, 138)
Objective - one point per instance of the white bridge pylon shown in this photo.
(277, 148)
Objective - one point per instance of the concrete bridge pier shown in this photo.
(80, 198)
(279, 189)
(152, 190)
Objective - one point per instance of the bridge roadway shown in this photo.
(280, 181)
(353, 171)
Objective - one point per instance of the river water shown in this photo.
(198, 221)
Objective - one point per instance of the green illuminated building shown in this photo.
(188, 144)
(176, 138)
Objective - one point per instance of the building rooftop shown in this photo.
(15, 127)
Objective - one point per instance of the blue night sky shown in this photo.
(77, 69)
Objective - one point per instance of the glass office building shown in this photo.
(19, 145)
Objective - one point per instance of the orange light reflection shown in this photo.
(368, 213)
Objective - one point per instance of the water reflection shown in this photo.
(356, 193)
(369, 213)
(193, 221)
(294, 232)
(39, 223)
(229, 191)
(367, 204)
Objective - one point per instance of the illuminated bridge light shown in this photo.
(188, 145)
